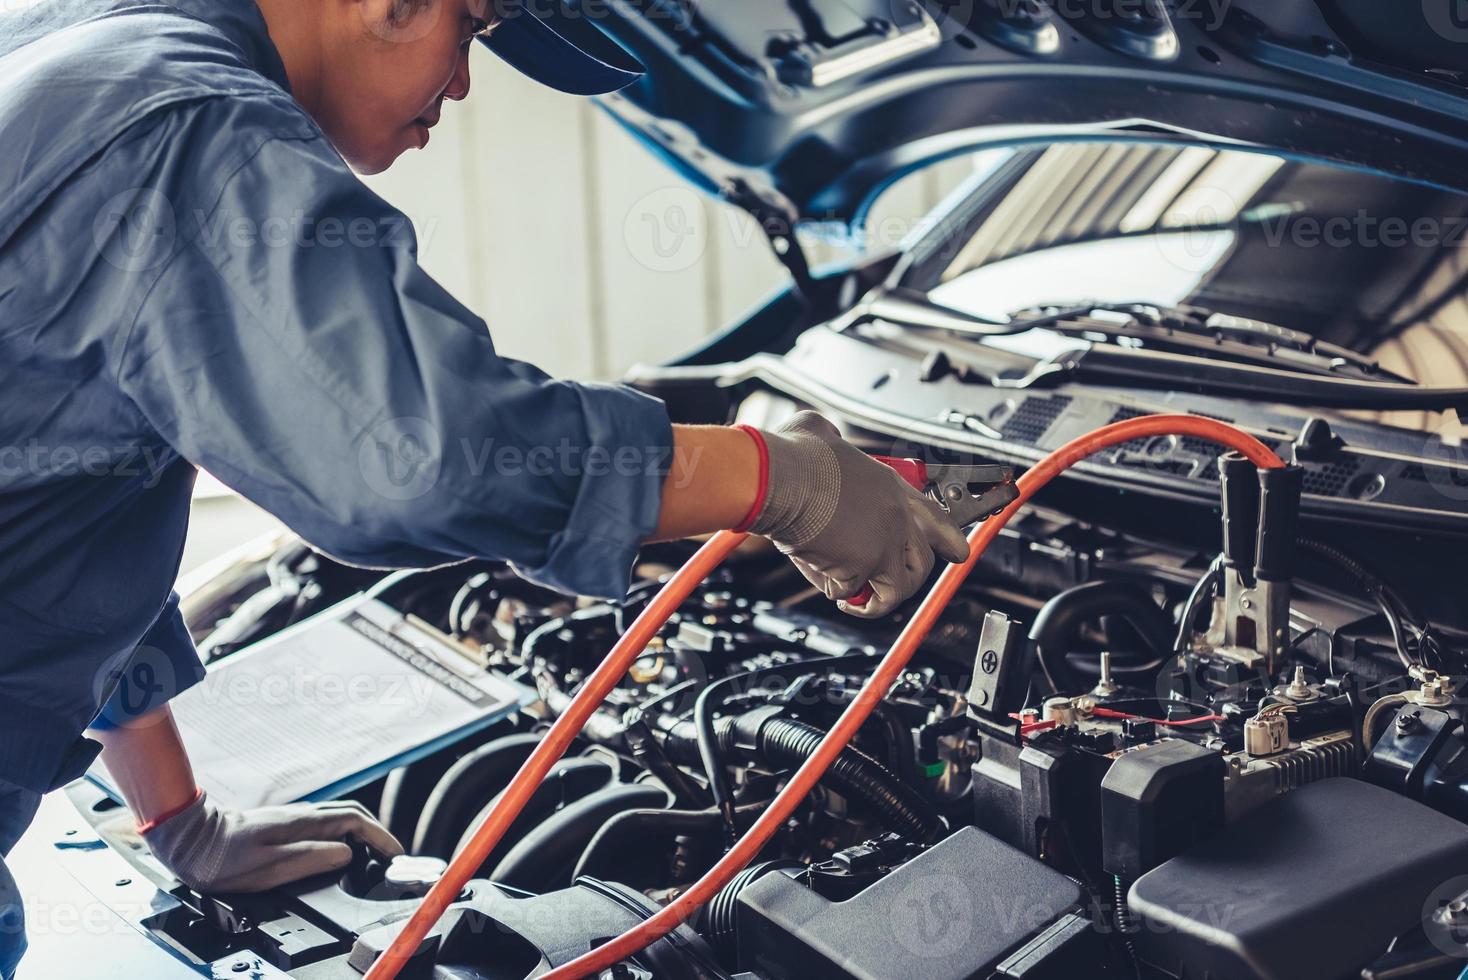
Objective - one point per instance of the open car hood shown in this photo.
(808, 108)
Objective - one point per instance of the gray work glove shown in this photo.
(211, 849)
(846, 520)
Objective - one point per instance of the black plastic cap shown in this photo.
(1240, 496)
(1279, 522)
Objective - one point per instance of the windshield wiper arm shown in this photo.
(1159, 322)
(1160, 370)
(1090, 362)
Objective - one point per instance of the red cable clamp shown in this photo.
(968, 493)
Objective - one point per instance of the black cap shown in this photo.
(557, 44)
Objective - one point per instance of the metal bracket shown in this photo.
(1256, 617)
(777, 218)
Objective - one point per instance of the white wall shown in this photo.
(584, 253)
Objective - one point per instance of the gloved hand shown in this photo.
(212, 849)
(846, 520)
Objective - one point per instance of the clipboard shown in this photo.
(330, 704)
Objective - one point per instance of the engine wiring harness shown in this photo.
(825, 753)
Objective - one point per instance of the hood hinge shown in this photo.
(778, 219)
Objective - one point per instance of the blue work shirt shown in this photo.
(191, 276)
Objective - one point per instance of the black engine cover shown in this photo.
(1311, 885)
(951, 913)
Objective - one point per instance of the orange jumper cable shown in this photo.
(626, 650)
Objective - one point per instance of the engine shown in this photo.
(1115, 756)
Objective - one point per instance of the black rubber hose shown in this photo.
(482, 584)
(619, 836)
(550, 627)
(543, 859)
(1392, 605)
(464, 787)
(1125, 927)
(721, 916)
(1202, 595)
(901, 758)
(787, 744)
(711, 698)
(568, 780)
(1059, 619)
(406, 788)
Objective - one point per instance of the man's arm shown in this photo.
(335, 384)
(326, 377)
(845, 520)
(712, 484)
(147, 759)
(215, 849)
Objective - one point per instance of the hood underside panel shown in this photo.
(818, 104)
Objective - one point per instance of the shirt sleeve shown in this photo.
(293, 347)
(163, 666)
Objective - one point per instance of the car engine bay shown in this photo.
(1119, 753)
(1186, 719)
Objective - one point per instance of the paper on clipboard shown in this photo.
(330, 704)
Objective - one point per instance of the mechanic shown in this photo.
(192, 276)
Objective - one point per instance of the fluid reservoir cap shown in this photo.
(414, 873)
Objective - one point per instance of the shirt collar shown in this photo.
(242, 22)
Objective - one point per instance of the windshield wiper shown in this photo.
(1269, 362)
(1164, 371)
(1197, 329)
(1297, 368)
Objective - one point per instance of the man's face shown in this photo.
(387, 67)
